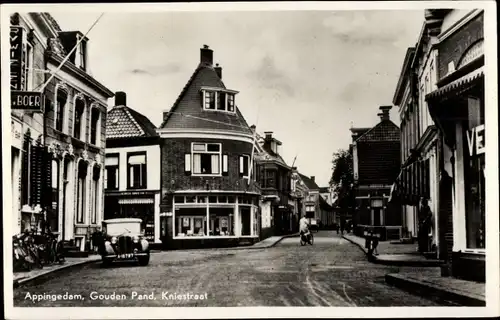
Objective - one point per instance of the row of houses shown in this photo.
(436, 161)
(203, 177)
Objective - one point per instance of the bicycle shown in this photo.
(306, 238)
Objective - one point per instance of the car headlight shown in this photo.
(135, 239)
(114, 240)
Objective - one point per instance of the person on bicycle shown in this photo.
(303, 225)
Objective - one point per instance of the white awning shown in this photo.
(136, 201)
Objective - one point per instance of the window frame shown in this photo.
(110, 155)
(94, 109)
(82, 123)
(216, 92)
(61, 116)
(219, 153)
(144, 182)
(241, 170)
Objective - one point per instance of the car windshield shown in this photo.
(115, 229)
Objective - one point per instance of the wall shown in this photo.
(153, 160)
(172, 166)
(267, 229)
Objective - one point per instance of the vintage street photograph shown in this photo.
(192, 155)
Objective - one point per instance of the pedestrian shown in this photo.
(342, 226)
(424, 226)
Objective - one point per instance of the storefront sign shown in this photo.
(26, 101)
(17, 65)
(475, 140)
(17, 134)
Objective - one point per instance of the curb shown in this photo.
(427, 290)
(408, 263)
(24, 281)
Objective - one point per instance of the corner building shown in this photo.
(208, 195)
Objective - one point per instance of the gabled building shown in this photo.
(376, 164)
(310, 202)
(208, 191)
(132, 182)
(62, 166)
(278, 213)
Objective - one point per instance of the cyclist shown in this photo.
(303, 225)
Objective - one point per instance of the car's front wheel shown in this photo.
(143, 261)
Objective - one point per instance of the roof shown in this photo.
(385, 130)
(124, 122)
(308, 182)
(324, 205)
(266, 154)
(187, 111)
(403, 76)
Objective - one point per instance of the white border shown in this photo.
(492, 227)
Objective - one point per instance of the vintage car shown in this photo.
(123, 240)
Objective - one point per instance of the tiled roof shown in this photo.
(188, 112)
(308, 182)
(384, 131)
(378, 162)
(124, 122)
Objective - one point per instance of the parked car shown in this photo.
(123, 239)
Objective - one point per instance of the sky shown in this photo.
(307, 76)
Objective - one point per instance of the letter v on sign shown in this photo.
(470, 139)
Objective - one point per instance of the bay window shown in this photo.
(206, 158)
(137, 170)
(111, 175)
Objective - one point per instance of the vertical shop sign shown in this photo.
(17, 63)
(475, 140)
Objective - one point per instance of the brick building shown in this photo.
(208, 192)
(132, 182)
(62, 169)
(376, 164)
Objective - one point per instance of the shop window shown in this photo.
(79, 114)
(206, 158)
(94, 121)
(245, 218)
(202, 199)
(137, 170)
(80, 192)
(221, 221)
(112, 171)
(190, 222)
(60, 109)
(474, 177)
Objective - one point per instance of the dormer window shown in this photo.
(81, 53)
(218, 99)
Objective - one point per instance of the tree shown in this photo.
(342, 180)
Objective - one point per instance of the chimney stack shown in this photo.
(120, 98)
(313, 178)
(218, 70)
(384, 115)
(269, 135)
(206, 55)
(253, 127)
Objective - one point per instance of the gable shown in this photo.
(124, 122)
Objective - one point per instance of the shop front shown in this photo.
(211, 220)
(135, 205)
(458, 109)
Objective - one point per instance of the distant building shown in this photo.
(311, 200)
(376, 164)
(208, 192)
(327, 214)
(132, 180)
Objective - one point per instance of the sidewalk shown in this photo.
(394, 254)
(20, 278)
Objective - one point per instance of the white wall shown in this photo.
(153, 159)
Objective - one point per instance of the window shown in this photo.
(111, 178)
(94, 120)
(309, 208)
(52, 212)
(224, 164)
(29, 68)
(80, 192)
(270, 179)
(81, 53)
(244, 165)
(78, 126)
(218, 100)
(61, 99)
(136, 168)
(95, 194)
(206, 158)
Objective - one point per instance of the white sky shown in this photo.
(306, 76)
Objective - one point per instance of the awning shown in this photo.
(136, 201)
(458, 86)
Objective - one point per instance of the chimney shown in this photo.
(120, 98)
(206, 55)
(269, 135)
(384, 115)
(253, 127)
(313, 178)
(218, 70)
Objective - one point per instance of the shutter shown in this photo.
(187, 163)
(36, 174)
(241, 165)
(25, 173)
(46, 177)
(224, 165)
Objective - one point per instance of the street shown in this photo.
(332, 272)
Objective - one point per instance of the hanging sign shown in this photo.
(475, 140)
(17, 64)
(26, 101)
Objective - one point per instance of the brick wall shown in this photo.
(457, 44)
(378, 161)
(172, 167)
